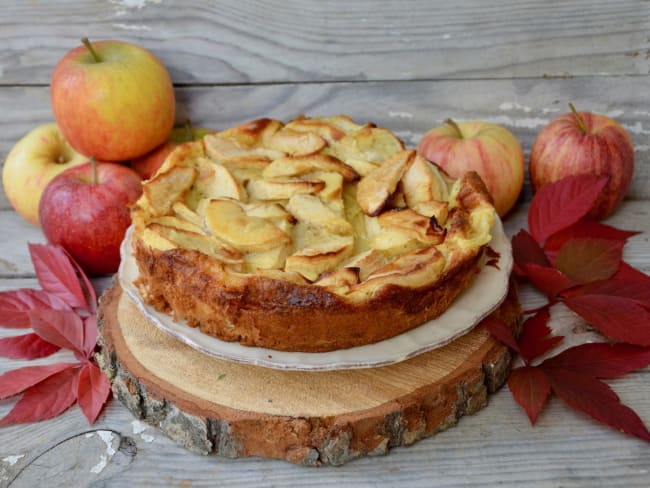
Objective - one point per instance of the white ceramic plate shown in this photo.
(470, 307)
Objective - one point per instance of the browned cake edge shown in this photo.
(281, 315)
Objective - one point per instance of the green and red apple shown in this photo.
(85, 210)
(585, 143)
(489, 149)
(113, 100)
(147, 165)
(32, 163)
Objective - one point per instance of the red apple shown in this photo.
(147, 165)
(88, 214)
(585, 143)
(113, 100)
(489, 149)
(32, 163)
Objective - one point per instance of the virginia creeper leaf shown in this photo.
(558, 205)
(628, 273)
(26, 346)
(91, 296)
(90, 335)
(530, 388)
(535, 338)
(15, 304)
(586, 259)
(601, 360)
(635, 290)
(61, 327)
(46, 399)
(526, 250)
(549, 280)
(93, 389)
(501, 331)
(57, 275)
(619, 318)
(18, 380)
(585, 228)
(596, 399)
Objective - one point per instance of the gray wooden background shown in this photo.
(406, 65)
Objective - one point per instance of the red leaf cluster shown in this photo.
(62, 315)
(578, 262)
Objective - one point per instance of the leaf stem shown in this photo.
(93, 53)
(579, 120)
(455, 127)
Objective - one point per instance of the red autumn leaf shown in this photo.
(15, 304)
(530, 388)
(93, 389)
(57, 275)
(26, 346)
(628, 273)
(585, 228)
(61, 327)
(501, 331)
(535, 338)
(634, 290)
(601, 360)
(619, 318)
(526, 250)
(558, 205)
(18, 380)
(46, 399)
(91, 296)
(596, 399)
(549, 280)
(90, 335)
(585, 259)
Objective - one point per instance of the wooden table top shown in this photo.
(405, 65)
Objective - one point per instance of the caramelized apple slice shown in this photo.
(155, 240)
(322, 256)
(311, 210)
(424, 229)
(164, 189)
(327, 131)
(178, 223)
(185, 212)
(299, 165)
(208, 245)
(296, 143)
(270, 259)
(375, 189)
(254, 132)
(438, 210)
(226, 220)
(424, 183)
(225, 150)
(281, 189)
(367, 263)
(339, 281)
(215, 181)
(412, 270)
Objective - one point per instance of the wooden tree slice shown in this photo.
(325, 417)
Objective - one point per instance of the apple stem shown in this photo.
(86, 43)
(579, 120)
(455, 126)
(188, 128)
(93, 161)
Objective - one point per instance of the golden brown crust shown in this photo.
(313, 247)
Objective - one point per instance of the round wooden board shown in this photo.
(324, 417)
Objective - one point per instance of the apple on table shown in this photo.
(489, 149)
(85, 210)
(113, 100)
(585, 143)
(32, 163)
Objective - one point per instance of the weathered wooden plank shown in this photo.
(408, 108)
(250, 41)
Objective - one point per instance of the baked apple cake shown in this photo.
(315, 235)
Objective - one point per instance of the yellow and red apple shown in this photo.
(147, 165)
(112, 100)
(489, 149)
(85, 210)
(32, 163)
(585, 143)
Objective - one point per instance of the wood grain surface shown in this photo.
(238, 41)
(403, 64)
